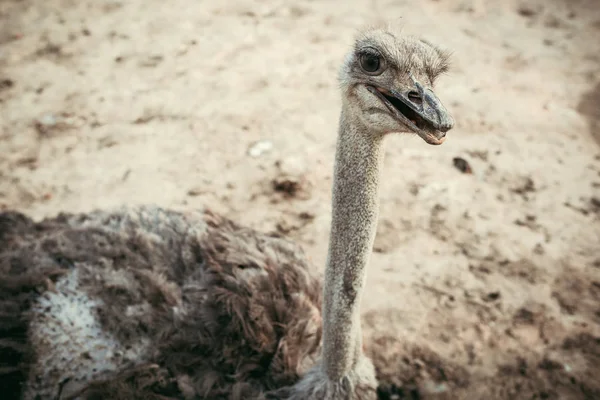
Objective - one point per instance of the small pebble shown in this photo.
(259, 148)
(462, 165)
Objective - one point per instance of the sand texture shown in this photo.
(485, 278)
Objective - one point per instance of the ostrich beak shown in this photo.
(420, 110)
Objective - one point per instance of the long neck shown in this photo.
(359, 157)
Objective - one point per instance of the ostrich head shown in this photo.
(387, 82)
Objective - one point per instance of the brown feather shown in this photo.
(248, 317)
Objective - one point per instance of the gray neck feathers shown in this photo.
(359, 157)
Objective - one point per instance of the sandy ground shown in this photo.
(494, 273)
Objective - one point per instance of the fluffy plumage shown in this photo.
(212, 308)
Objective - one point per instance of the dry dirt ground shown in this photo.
(482, 285)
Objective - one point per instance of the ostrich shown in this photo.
(149, 303)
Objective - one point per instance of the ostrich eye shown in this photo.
(371, 63)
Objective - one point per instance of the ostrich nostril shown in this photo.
(415, 97)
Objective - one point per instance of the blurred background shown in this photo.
(488, 247)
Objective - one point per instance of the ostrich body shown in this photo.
(147, 303)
